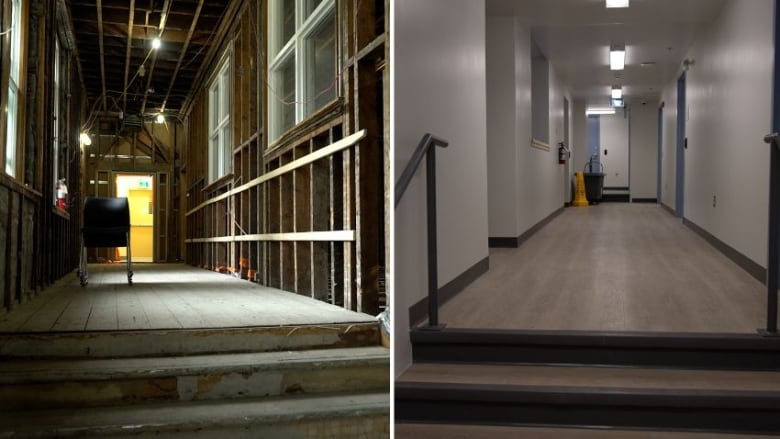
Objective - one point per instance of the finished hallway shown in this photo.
(613, 267)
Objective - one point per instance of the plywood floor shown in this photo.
(166, 296)
(614, 267)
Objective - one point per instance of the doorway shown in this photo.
(567, 180)
(660, 151)
(139, 190)
(679, 201)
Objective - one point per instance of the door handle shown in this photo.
(772, 138)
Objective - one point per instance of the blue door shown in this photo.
(594, 142)
(679, 203)
(660, 151)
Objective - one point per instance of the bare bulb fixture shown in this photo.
(160, 118)
(85, 139)
(156, 43)
(142, 71)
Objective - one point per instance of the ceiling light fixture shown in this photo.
(599, 110)
(617, 57)
(85, 139)
(617, 92)
(160, 118)
(617, 3)
(156, 43)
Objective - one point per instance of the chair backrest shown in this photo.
(103, 212)
(106, 222)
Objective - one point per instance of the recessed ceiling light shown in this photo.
(617, 3)
(617, 57)
(617, 92)
(599, 110)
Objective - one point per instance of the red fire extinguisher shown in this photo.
(563, 154)
(62, 194)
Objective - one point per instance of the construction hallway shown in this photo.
(193, 218)
(600, 257)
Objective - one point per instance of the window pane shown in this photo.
(213, 158)
(324, 63)
(311, 5)
(10, 145)
(225, 104)
(16, 39)
(288, 21)
(285, 95)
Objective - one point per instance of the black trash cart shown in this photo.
(106, 224)
(594, 181)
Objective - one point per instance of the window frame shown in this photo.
(296, 48)
(220, 103)
(12, 137)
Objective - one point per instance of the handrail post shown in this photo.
(433, 263)
(773, 254)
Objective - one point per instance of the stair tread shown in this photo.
(592, 377)
(449, 431)
(183, 416)
(21, 371)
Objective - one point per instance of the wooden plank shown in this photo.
(332, 236)
(324, 152)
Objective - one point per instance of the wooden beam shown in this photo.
(99, 5)
(127, 52)
(319, 154)
(183, 52)
(330, 236)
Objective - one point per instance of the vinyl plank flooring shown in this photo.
(618, 267)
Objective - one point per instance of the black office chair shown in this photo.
(106, 224)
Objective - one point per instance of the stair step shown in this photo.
(27, 384)
(177, 342)
(678, 350)
(446, 431)
(598, 377)
(344, 416)
(590, 396)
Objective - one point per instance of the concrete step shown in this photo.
(178, 342)
(444, 431)
(360, 415)
(29, 384)
(606, 397)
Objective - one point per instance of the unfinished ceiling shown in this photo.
(121, 70)
(575, 36)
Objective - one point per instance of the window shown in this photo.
(219, 122)
(12, 105)
(302, 62)
(57, 118)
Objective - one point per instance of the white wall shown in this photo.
(526, 184)
(729, 91)
(644, 149)
(502, 128)
(579, 146)
(439, 87)
(613, 131)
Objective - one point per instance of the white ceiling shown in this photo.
(575, 36)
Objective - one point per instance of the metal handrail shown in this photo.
(426, 148)
(773, 257)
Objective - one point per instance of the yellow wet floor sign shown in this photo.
(579, 195)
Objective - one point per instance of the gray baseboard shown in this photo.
(738, 258)
(501, 242)
(418, 313)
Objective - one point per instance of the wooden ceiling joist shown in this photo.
(99, 6)
(183, 52)
(127, 53)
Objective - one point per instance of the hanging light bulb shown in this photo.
(160, 118)
(156, 43)
(85, 139)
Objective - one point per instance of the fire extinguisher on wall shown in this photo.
(62, 194)
(563, 153)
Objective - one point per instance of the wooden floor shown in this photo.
(166, 296)
(614, 267)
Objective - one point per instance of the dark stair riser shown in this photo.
(724, 351)
(632, 408)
